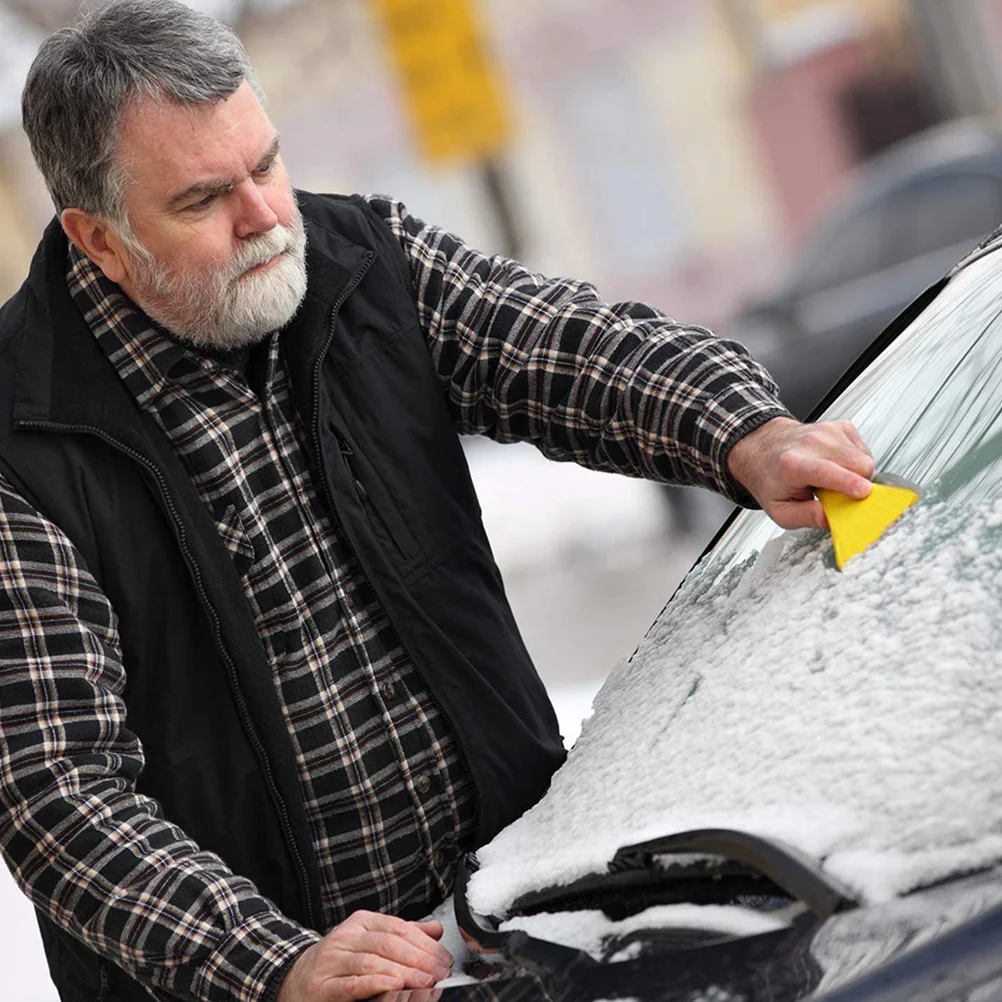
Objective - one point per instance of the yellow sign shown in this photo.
(453, 93)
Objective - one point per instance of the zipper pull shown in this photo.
(347, 451)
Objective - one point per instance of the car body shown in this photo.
(901, 221)
(791, 791)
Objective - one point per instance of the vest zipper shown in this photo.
(333, 507)
(315, 920)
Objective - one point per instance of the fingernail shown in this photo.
(427, 980)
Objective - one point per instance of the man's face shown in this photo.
(222, 257)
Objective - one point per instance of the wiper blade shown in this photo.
(730, 867)
(788, 868)
(762, 868)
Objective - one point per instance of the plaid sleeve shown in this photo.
(93, 855)
(618, 387)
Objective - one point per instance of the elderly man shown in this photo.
(261, 682)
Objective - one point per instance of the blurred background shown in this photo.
(787, 172)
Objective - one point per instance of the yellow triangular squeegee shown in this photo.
(855, 524)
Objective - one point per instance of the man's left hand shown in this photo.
(782, 462)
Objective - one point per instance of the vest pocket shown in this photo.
(376, 501)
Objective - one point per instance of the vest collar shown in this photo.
(64, 379)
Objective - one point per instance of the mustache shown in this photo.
(259, 250)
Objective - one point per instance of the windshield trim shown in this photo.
(989, 245)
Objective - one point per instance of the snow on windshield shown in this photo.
(854, 715)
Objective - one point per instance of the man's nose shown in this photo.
(255, 213)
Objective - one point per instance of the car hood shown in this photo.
(853, 715)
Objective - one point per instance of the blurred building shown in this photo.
(671, 152)
(633, 163)
(829, 84)
(960, 47)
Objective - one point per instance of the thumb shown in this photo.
(798, 514)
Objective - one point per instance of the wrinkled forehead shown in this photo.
(164, 145)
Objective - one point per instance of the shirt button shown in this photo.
(439, 860)
(387, 690)
(423, 784)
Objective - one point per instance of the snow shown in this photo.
(537, 512)
(25, 976)
(573, 704)
(855, 715)
(594, 933)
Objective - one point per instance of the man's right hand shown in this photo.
(366, 955)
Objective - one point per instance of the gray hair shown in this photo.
(86, 76)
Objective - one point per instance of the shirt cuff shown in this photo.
(251, 963)
(727, 419)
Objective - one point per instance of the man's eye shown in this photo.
(204, 203)
(265, 169)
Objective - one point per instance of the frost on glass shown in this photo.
(856, 715)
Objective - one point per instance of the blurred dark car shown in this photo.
(904, 219)
(791, 791)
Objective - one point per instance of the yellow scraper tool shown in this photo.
(855, 524)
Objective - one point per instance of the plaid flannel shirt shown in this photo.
(520, 357)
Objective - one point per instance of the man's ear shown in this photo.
(97, 241)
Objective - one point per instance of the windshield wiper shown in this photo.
(673, 869)
(788, 868)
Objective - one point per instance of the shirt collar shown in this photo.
(142, 354)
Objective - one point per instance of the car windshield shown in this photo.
(930, 407)
(854, 715)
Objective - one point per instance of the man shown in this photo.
(261, 682)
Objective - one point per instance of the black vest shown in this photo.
(200, 694)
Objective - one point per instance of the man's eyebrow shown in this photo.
(270, 154)
(220, 185)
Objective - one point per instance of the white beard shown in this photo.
(225, 308)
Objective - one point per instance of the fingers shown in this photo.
(432, 929)
(432, 995)
(854, 459)
(366, 955)
(827, 474)
(798, 515)
(366, 987)
(821, 456)
(838, 443)
(413, 938)
(355, 964)
(782, 462)
(391, 947)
